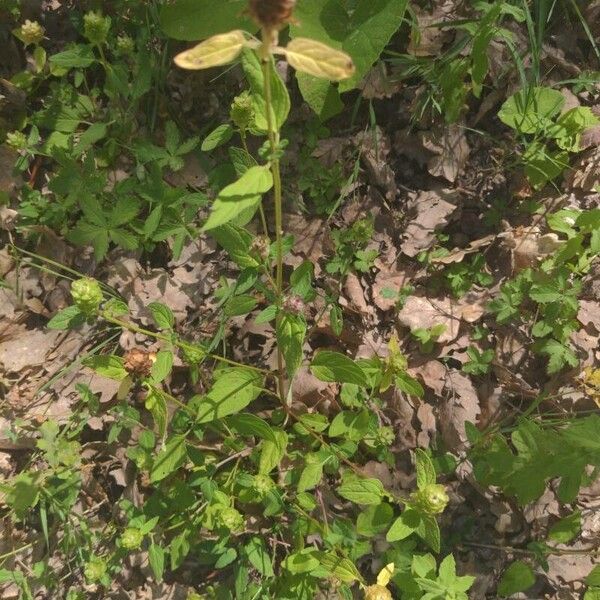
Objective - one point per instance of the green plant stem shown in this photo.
(273, 135)
(164, 338)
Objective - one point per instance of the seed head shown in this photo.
(272, 14)
(31, 32)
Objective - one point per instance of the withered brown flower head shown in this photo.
(138, 362)
(272, 14)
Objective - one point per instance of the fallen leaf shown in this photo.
(589, 312)
(450, 148)
(423, 313)
(429, 211)
(460, 406)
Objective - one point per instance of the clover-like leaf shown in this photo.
(216, 50)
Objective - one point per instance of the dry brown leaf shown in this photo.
(585, 172)
(433, 374)
(419, 312)
(458, 254)
(391, 281)
(30, 348)
(528, 246)
(589, 312)
(425, 39)
(312, 391)
(451, 150)
(355, 294)
(590, 138)
(460, 406)
(429, 211)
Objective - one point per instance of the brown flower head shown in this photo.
(272, 14)
(138, 362)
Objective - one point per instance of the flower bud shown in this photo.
(231, 519)
(432, 499)
(260, 247)
(31, 32)
(132, 538)
(16, 140)
(86, 294)
(95, 569)
(242, 111)
(96, 27)
(262, 485)
(377, 592)
(193, 354)
(125, 44)
(294, 305)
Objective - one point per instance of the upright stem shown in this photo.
(273, 133)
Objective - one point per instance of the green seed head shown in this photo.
(231, 519)
(95, 569)
(377, 592)
(125, 44)
(262, 485)
(96, 27)
(432, 499)
(16, 140)
(193, 354)
(87, 295)
(31, 32)
(132, 538)
(242, 112)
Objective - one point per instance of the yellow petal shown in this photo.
(385, 575)
(216, 50)
(320, 60)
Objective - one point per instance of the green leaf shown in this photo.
(340, 568)
(408, 384)
(517, 578)
(301, 279)
(110, 366)
(363, 33)
(374, 520)
(162, 365)
(303, 561)
(320, 95)
(258, 556)
(593, 577)
(169, 459)
(311, 474)
(429, 531)
(272, 452)
(280, 99)
(530, 110)
(22, 493)
(80, 56)
(198, 19)
(156, 405)
(425, 469)
(245, 193)
(406, 524)
(249, 424)
(162, 315)
(156, 558)
(217, 137)
(334, 366)
(362, 491)
(237, 242)
(232, 391)
(239, 305)
(291, 330)
(566, 529)
(67, 318)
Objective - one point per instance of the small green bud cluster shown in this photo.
(242, 111)
(231, 519)
(193, 354)
(377, 592)
(262, 485)
(95, 569)
(132, 538)
(31, 32)
(432, 499)
(125, 44)
(16, 140)
(86, 294)
(96, 27)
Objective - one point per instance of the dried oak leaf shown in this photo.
(423, 313)
(459, 407)
(589, 312)
(449, 145)
(429, 211)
